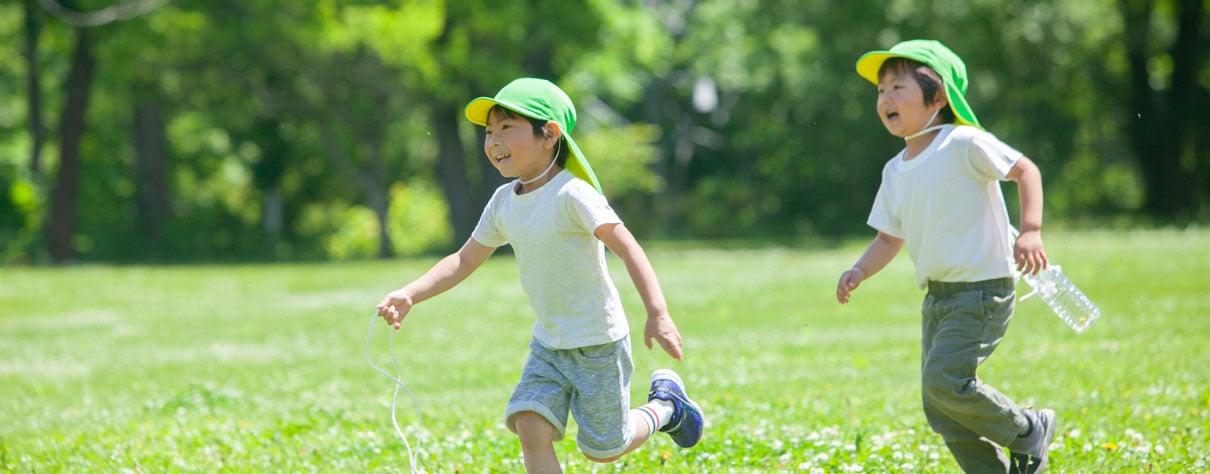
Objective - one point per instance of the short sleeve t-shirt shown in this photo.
(947, 206)
(561, 262)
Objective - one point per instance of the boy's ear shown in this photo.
(551, 130)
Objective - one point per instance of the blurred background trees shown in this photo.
(187, 130)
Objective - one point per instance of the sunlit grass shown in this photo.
(262, 368)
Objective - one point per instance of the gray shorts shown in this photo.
(592, 383)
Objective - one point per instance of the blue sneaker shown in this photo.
(685, 426)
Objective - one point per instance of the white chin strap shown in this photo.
(547, 170)
(927, 128)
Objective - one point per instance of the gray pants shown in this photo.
(592, 383)
(962, 325)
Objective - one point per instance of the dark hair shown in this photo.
(539, 126)
(928, 84)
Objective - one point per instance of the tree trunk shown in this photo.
(1188, 62)
(151, 175)
(452, 172)
(33, 78)
(267, 174)
(1162, 120)
(62, 221)
(379, 198)
(369, 181)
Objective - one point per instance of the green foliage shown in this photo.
(355, 236)
(621, 156)
(20, 215)
(418, 222)
(276, 108)
(263, 367)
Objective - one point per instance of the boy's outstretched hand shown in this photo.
(663, 330)
(849, 281)
(394, 307)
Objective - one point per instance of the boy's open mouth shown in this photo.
(501, 157)
(891, 115)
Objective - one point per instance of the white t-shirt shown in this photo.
(947, 206)
(562, 263)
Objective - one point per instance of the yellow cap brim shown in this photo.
(870, 63)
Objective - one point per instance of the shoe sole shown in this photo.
(1050, 435)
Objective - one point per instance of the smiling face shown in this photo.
(902, 106)
(515, 148)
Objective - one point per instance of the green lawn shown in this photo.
(251, 368)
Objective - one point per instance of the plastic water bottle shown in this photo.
(1064, 298)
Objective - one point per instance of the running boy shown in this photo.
(556, 220)
(940, 196)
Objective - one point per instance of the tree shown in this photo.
(33, 77)
(1169, 104)
(62, 222)
(455, 50)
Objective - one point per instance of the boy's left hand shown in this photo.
(1028, 253)
(662, 329)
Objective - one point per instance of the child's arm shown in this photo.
(1028, 251)
(659, 325)
(444, 275)
(876, 257)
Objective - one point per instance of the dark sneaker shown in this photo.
(685, 425)
(1031, 463)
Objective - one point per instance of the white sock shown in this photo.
(655, 414)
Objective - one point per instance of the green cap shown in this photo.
(539, 99)
(935, 55)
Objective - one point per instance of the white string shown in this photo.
(547, 170)
(926, 124)
(395, 396)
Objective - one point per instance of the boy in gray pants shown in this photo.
(940, 196)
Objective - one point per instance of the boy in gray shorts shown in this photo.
(558, 223)
(941, 198)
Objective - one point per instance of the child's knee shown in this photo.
(532, 426)
(939, 381)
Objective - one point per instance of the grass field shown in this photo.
(262, 368)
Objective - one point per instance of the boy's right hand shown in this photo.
(849, 281)
(394, 307)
